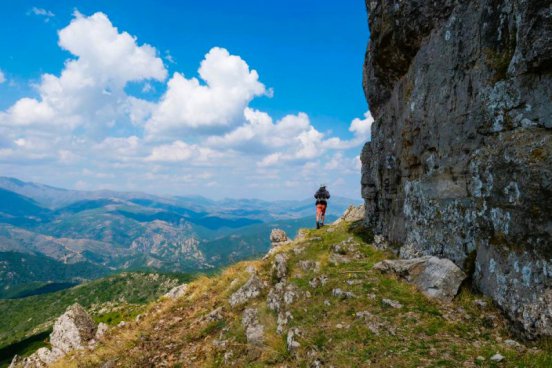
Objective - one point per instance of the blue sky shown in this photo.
(271, 116)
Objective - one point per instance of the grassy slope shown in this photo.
(423, 333)
(106, 298)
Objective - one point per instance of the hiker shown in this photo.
(321, 196)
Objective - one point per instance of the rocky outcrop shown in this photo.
(281, 296)
(251, 289)
(280, 266)
(352, 214)
(254, 331)
(278, 237)
(436, 277)
(460, 162)
(72, 330)
(177, 291)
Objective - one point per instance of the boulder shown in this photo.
(352, 214)
(251, 289)
(291, 339)
(436, 277)
(72, 330)
(282, 321)
(254, 331)
(278, 237)
(101, 330)
(280, 266)
(177, 291)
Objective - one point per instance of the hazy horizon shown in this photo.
(185, 195)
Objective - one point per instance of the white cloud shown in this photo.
(106, 53)
(2, 77)
(179, 151)
(219, 103)
(360, 128)
(90, 89)
(83, 123)
(169, 57)
(47, 14)
(291, 138)
(122, 149)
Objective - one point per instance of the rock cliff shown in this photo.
(460, 162)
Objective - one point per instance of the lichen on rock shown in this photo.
(460, 159)
(436, 277)
(251, 289)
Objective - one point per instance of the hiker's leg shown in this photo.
(319, 215)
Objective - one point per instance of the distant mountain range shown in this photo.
(54, 235)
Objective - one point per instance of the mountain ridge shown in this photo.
(124, 232)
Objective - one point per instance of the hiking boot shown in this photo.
(318, 225)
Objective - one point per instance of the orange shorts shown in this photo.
(321, 209)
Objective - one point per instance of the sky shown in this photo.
(239, 99)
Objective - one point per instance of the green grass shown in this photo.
(422, 332)
(25, 317)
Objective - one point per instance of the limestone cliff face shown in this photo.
(460, 163)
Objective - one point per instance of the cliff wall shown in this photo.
(460, 162)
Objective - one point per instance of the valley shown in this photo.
(80, 236)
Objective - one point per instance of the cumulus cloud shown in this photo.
(361, 130)
(293, 138)
(106, 53)
(83, 121)
(189, 104)
(90, 89)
